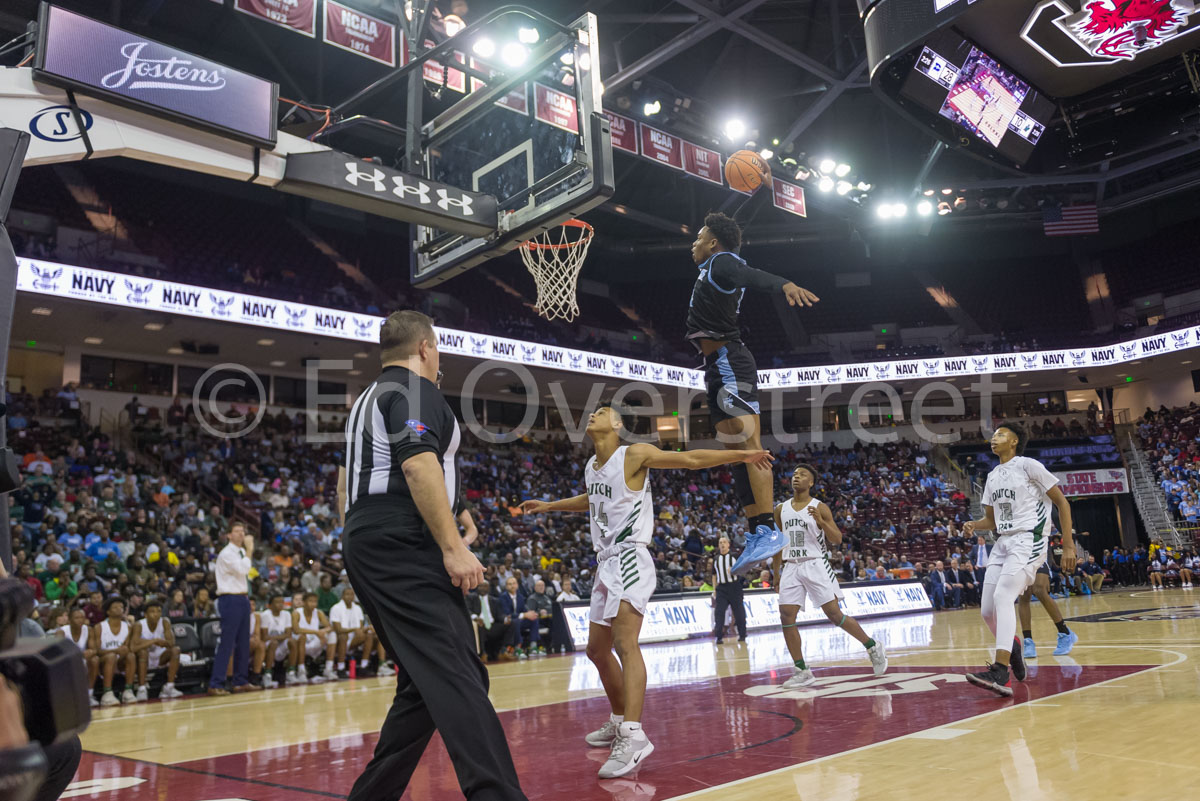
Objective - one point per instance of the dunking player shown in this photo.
(1016, 503)
(622, 518)
(730, 374)
(806, 574)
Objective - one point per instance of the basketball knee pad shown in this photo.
(741, 485)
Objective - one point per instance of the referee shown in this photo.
(728, 593)
(411, 570)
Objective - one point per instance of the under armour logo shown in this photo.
(420, 189)
(462, 203)
(354, 175)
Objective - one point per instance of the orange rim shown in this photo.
(585, 236)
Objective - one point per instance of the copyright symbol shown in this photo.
(207, 393)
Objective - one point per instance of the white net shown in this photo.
(553, 259)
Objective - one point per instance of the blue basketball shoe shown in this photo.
(764, 543)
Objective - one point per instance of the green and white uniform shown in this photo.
(622, 526)
(807, 574)
(1016, 491)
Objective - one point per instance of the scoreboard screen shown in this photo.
(958, 81)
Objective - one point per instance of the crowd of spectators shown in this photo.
(1170, 438)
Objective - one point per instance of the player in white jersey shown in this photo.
(275, 630)
(622, 522)
(314, 636)
(350, 627)
(112, 645)
(79, 632)
(153, 642)
(1016, 504)
(802, 572)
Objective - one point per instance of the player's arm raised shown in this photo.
(644, 455)
(985, 523)
(828, 525)
(579, 503)
(1067, 562)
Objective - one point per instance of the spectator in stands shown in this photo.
(941, 593)
(326, 597)
(1092, 574)
(61, 589)
(566, 594)
(880, 574)
(311, 580)
(962, 580)
(202, 604)
(177, 606)
(513, 602)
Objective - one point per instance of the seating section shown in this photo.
(1165, 263)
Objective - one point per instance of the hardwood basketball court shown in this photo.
(724, 729)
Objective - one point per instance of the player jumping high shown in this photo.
(1016, 503)
(622, 519)
(806, 573)
(730, 373)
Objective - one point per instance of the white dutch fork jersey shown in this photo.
(157, 634)
(805, 538)
(110, 641)
(273, 623)
(618, 514)
(1016, 491)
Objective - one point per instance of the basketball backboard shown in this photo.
(528, 130)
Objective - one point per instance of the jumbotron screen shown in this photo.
(960, 82)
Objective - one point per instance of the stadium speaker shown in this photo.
(1196, 380)
(1082, 379)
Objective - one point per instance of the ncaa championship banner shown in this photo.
(675, 617)
(136, 292)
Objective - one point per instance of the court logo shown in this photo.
(860, 685)
(45, 279)
(137, 294)
(1148, 615)
(220, 306)
(57, 124)
(295, 316)
(354, 174)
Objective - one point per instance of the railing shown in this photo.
(1148, 498)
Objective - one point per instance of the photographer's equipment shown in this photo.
(49, 674)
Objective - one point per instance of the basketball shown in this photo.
(744, 170)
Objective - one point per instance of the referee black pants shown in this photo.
(441, 684)
(730, 595)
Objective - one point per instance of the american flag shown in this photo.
(1070, 220)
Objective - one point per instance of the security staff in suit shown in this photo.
(488, 616)
(980, 552)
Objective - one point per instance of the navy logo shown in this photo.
(1078, 358)
(46, 279)
(57, 124)
(295, 317)
(576, 359)
(618, 366)
(786, 375)
(656, 373)
(882, 372)
(220, 306)
(478, 345)
(981, 365)
(1181, 340)
(364, 328)
(137, 294)
(1030, 361)
(833, 374)
(529, 354)
(1128, 351)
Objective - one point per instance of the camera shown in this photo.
(51, 680)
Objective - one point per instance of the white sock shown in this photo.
(169, 684)
(328, 665)
(617, 719)
(143, 687)
(341, 665)
(631, 728)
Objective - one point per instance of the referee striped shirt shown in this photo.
(723, 566)
(397, 417)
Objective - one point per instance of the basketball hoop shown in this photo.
(553, 258)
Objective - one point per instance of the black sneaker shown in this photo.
(1016, 661)
(343, 674)
(995, 678)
